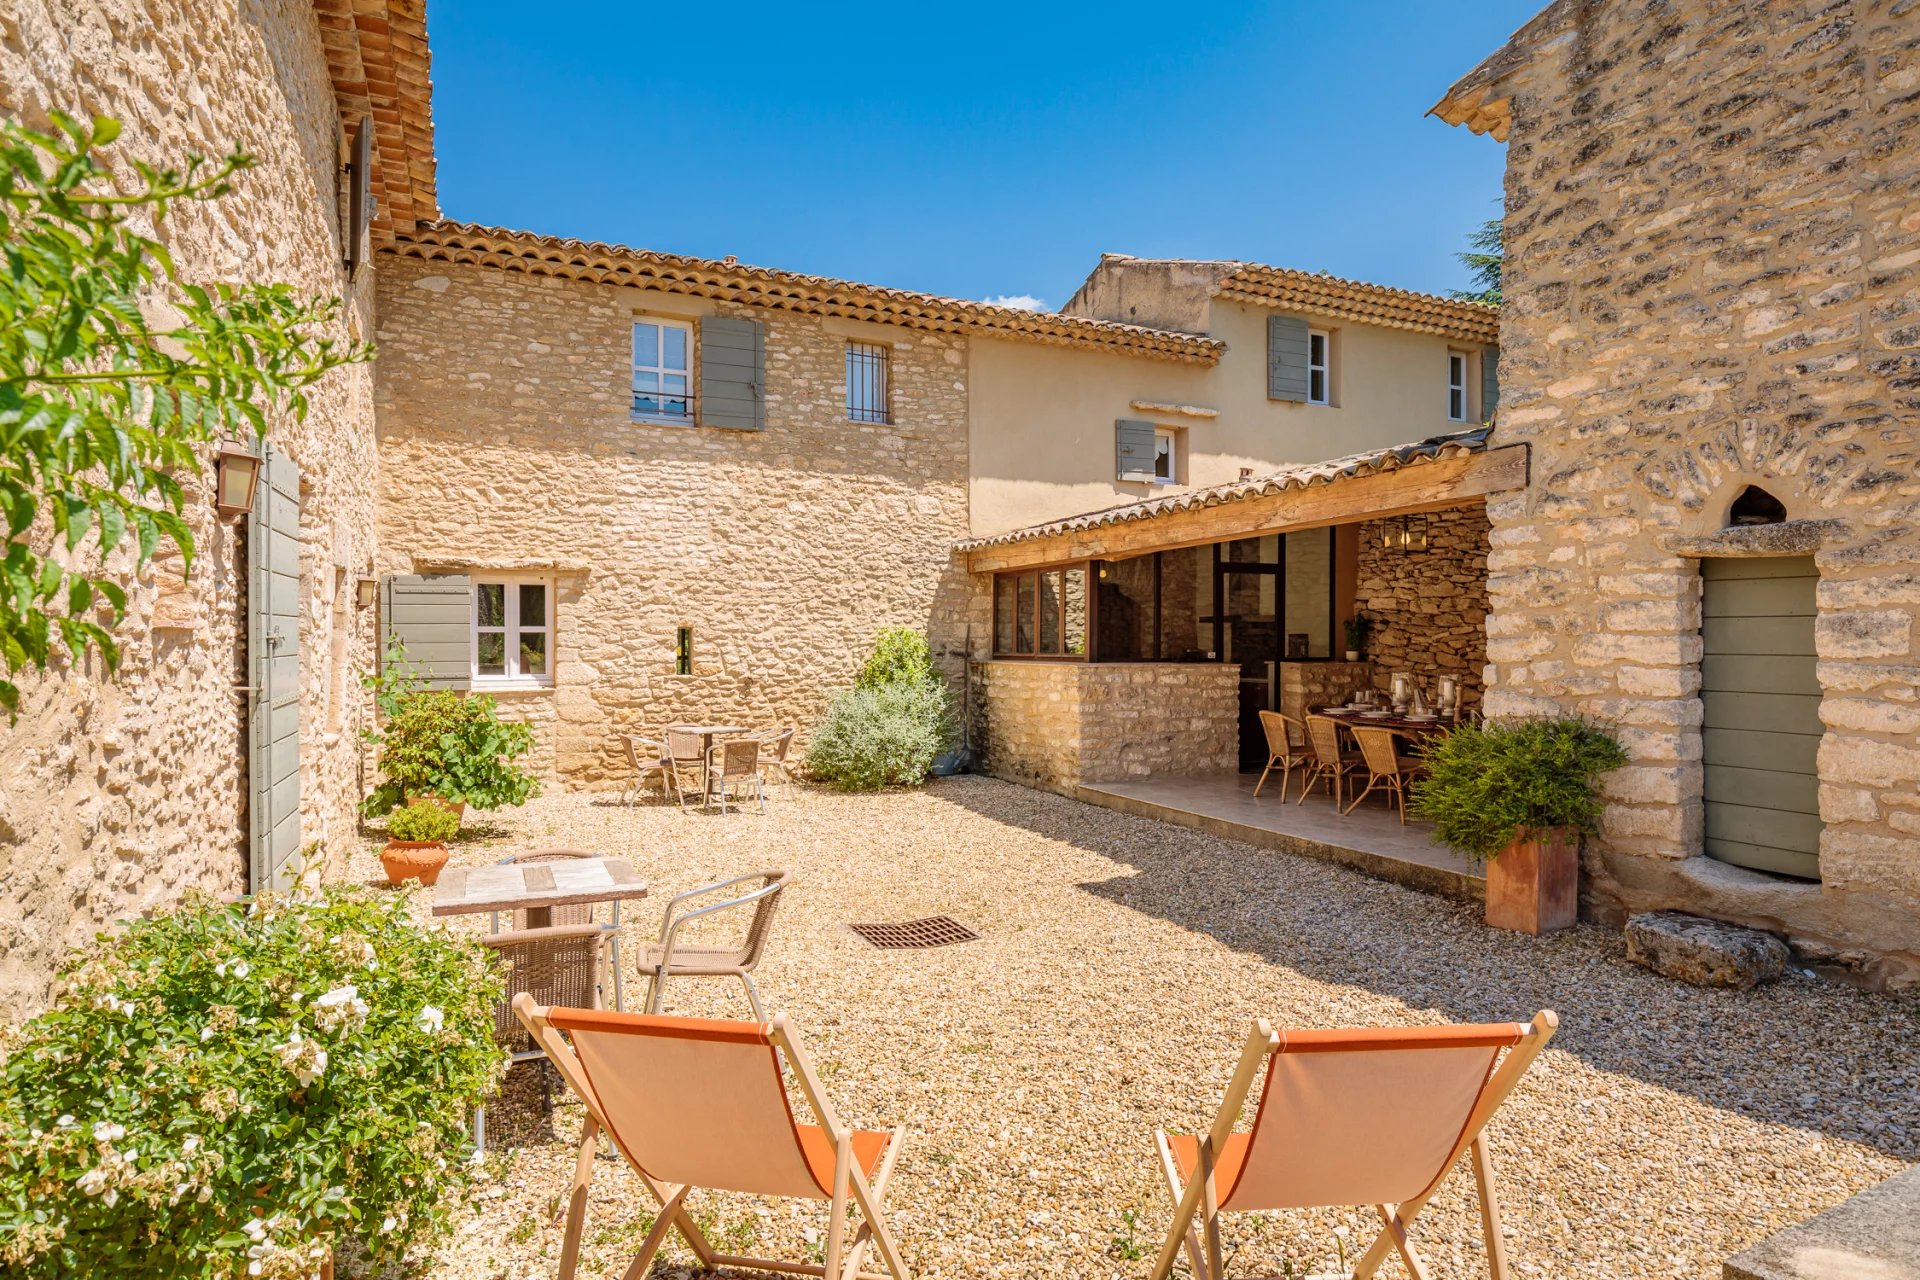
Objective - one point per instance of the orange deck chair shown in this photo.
(1367, 1116)
(696, 1103)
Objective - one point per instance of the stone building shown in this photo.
(1711, 345)
(117, 795)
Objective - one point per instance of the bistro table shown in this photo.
(537, 888)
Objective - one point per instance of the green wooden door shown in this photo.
(273, 650)
(1762, 725)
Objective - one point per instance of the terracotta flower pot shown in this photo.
(413, 860)
(1534, 885)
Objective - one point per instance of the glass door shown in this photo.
(1250, 593)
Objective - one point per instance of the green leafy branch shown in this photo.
(113, 371)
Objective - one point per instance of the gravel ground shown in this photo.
(1120, 964)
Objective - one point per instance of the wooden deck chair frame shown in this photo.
(850, 1186)
(1198, 1202)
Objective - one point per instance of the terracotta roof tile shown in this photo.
(730, 281)
(1298, 476)
(378, 59)
(1364, 303)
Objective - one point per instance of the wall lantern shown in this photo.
(1403, 535)
(235, 471)
(364, 590)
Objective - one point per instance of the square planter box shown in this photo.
(1534, 885)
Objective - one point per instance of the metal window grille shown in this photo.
(867, 382)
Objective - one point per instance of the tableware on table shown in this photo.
(1401, 690)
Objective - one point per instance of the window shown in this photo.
(867, 382)
(1166, 455)
(1319, 367)
(663, 371)
(683, 651)
(1456, 386)
(512, 632)
(1041, 613)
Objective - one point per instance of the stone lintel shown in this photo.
(1788, 538)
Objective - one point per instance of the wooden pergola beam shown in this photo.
(1426, 486)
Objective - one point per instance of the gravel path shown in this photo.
(1120, 964)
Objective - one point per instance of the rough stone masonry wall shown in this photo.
(506, 443)
(1713, 279)
(119, 794)
(1056, 724)
(1429, 608)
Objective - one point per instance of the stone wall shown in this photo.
(1056, 724)
(1429, 608)
(506, 443)
(119, 794)
(1713, 280)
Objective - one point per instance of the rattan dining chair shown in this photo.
(1330, 761)
(573, 913)
(1386, 767)
(1286, 750)
(648, 759)
(563, 964)
(773, 755)
(738, 767)
(687, 764)
(670, 958)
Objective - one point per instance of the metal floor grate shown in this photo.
(934, 931)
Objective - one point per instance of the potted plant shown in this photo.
(1358, 628)
(1518, 796)
(443, 747)
(417, 842)
(225, 1090)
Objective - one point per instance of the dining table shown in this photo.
(535, 887)
(1408, 726)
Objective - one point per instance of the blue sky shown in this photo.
(981, 151)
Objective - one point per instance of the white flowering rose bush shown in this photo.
(228, 1090)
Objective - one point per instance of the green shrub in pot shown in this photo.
(422, 822)
(1488, 785)
(229, 1090)
(442, 743)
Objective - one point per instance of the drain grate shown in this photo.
(934, 931)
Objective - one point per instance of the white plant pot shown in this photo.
(1353, 655)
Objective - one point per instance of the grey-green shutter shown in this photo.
(1133, 449)
(273, 655)
(432, 616)
(733, 372)
(1489, 382)
(1286, 358)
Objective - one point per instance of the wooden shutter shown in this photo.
(1286, 358)
(1489, 382)
(733, 373)
(1133, 449)
(432, 616)
(273, 655)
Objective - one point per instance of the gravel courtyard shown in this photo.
(1120, 964)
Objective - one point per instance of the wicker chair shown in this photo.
(686, 760)
(1330, 761)
(564, 964)
(650, 762)
(736, 765)
(1286, 750)
(668, 958)
(576, 913)
(773, 755)
(1386, 767)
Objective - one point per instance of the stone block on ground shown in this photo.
(1873, 1236)
(1706, 953)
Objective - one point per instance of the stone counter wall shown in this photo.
(1056, 724)
(506, 443)
(1429, 608)
(1713, 280)
(118, 795)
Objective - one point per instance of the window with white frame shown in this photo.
(1319, 367)
(663, 370)
(1456, 386)
(867, 375)
(1166, 455)
(512, 631)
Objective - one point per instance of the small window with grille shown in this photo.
(867, 377)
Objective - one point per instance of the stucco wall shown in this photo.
(118, 795)
(1043, 417)
(1056, 724)
(506, 443)
(1713, 279)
